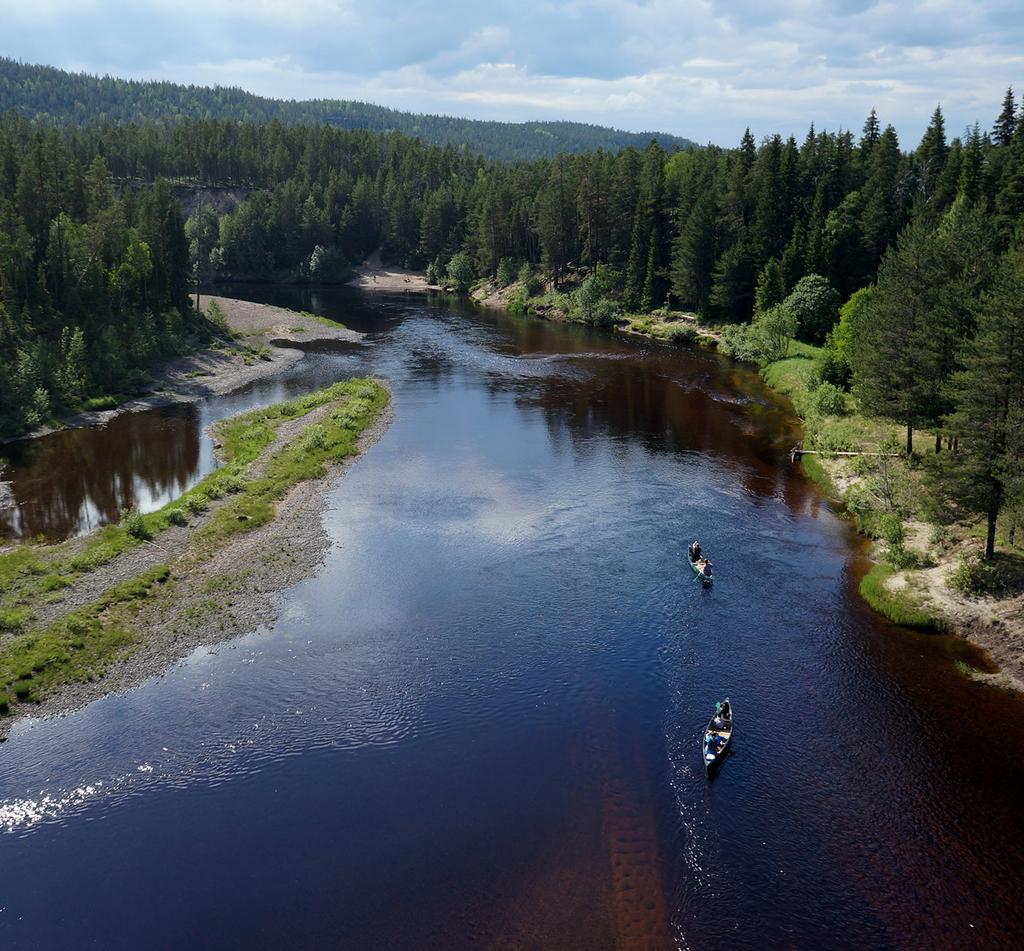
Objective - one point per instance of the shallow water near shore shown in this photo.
(478, 725)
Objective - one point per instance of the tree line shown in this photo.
(56, 96)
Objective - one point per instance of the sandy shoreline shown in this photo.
(371, 275)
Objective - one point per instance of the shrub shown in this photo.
(532, 284)
(435, 271)
(461, 271)
(506, 272)
(814, 303)
(216, 317)
(976, 576)
(197, 503)
(134, 523)
(771, 332)
(314, 439)
(95, 403)
(177, 517)
(941, 537)
(828, 400)
(680, 334)
(11, 622)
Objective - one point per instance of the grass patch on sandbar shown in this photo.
(81, 645)
(898, 606)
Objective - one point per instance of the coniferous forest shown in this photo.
(917, 245)
(56, 96)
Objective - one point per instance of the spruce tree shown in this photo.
(1006, 124)
(771, 287)
(693, 254)
(931, 154)
(872, 133)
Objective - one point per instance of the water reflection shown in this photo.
(76, 480)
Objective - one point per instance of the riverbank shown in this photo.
(102, 613)
(372, 275)
(256, 341)
(915, 558)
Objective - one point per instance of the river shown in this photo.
(478, 725)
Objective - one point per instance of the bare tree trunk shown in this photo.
(990, 538)
(938, 443)
(910, 437)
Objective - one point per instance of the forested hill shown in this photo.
(43, 92)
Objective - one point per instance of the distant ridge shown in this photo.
(52, 94)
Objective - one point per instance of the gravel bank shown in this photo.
(207, 602)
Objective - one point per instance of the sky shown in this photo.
(704, 69)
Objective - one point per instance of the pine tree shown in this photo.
(984, 475)
(894, 360)
(732, 290)
(919, 315)
(971, 183)
(643, 283)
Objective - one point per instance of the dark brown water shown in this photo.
(478, 726)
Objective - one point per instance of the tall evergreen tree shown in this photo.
(872, 133)
(1006, 123)
(985, 474)
(931, 154)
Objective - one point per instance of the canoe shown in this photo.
(717, 737)
(705, 579)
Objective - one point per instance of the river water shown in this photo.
(478, 725)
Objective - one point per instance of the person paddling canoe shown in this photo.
(695, 551)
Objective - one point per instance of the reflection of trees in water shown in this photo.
(672, 401)
(79, 479)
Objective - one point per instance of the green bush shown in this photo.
(506, 272)
(177, 517)
(680, 334)
(134, 523)
(95, 403)
(814, 303)
(532, 284)
(11, 621)
(435, 271)
(461, 272)
(215, 315)
(197, 503)
(976, 576)
(828, 400)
